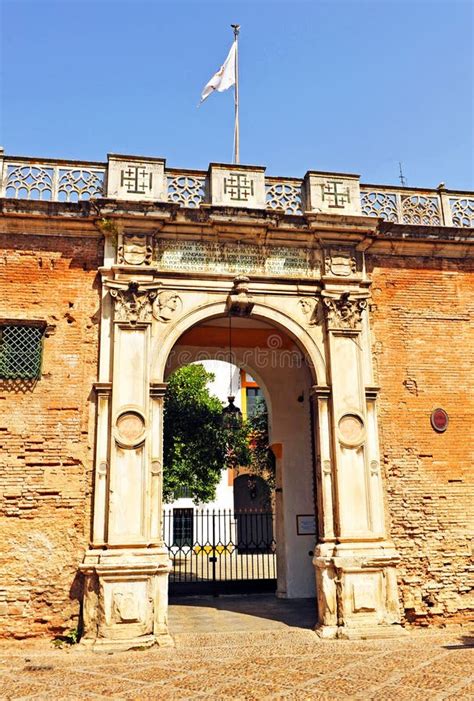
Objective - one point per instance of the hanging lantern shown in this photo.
(231, 415)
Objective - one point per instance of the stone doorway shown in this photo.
(328, 499)
(282, 372)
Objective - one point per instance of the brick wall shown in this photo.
(423, 344)
(46, 437)
(422, 336)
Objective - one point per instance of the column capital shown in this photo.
(320, 392)
(372, 392)
(343, 311)
(158, 389)
(102, 388)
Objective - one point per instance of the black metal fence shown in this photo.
(220, 551)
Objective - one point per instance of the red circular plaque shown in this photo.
(439, 420)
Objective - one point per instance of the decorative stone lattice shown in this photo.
(285, 196)
(380, 204)
(186, 190)
(33, 182)
(29, 182)
(462, 211)
(80, 184)
(419, 209)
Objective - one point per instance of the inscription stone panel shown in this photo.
(242, 259)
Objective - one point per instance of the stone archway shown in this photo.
(280, 366)
(144, 312)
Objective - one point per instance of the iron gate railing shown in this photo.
(220, 551)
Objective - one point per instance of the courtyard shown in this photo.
(247, 648)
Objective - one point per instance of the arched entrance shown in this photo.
(324, 427)
(281, 369)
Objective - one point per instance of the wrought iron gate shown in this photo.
(220, 551)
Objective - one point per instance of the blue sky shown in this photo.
(348, 86)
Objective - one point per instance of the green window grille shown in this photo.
(21, 349)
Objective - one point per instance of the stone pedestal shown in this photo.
(125, 598)
(357, 591)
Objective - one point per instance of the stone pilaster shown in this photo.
(355, 570)
(126, 569)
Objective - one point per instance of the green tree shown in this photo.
(194, 441)
(196, 445)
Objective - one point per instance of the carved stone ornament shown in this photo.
(135, 249)
(308, 307)
(166, 306)
(351, 430)
(130, 427)
(340, 262)
(240, 301)
(344, 312)
(133, 303)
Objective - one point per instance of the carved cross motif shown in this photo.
(133, 304)
(136, 180)
(335, 196)
(238, 186)
(344, 312)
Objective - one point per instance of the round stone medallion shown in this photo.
(130, 428)
(351, 430)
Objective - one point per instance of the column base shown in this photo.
(363, 633)
(357, 593)
(140, 643)
(125, 598)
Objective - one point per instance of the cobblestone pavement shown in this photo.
(237, 651)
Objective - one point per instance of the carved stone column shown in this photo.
(355, 565)
(126, 568)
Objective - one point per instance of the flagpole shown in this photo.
(236, 28)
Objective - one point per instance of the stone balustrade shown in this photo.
(143, 178)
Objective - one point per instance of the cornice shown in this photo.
(270, 227)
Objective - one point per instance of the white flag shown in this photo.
(225, 76)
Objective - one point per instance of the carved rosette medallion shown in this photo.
(135, 249)
(166, 306)
(344, 312)
(133, 304)
(340, 262)
(130, 428)
(351, 430)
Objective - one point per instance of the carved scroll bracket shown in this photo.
(344, 311)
